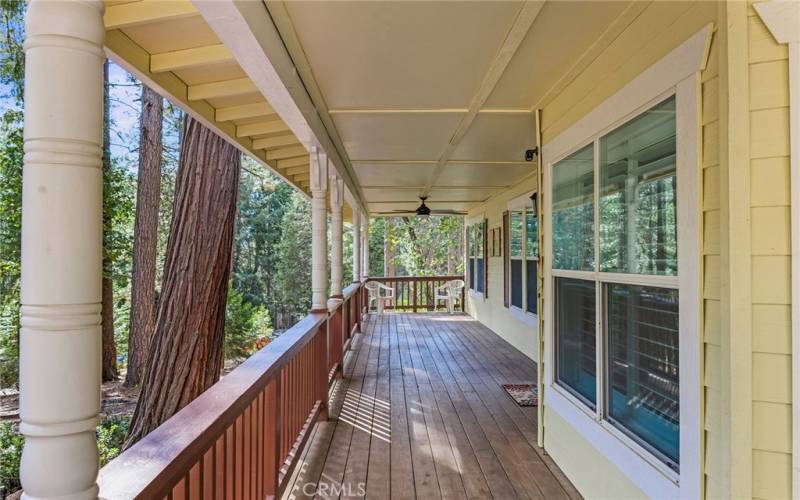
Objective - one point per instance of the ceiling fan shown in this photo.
(423, 210)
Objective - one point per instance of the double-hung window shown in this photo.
(622, 275)
(615, 284)
(523, 255)
(476, 234)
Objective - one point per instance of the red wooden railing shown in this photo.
(415, 293)
(242, 437)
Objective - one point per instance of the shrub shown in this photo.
(110, 436)
(10, 455)
(245, 324)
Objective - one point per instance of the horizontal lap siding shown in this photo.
(770, 246)
(492, 312)
(658, 29)
(712, 335)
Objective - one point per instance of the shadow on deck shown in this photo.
(420, 413)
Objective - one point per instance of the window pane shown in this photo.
(573, 211)
(638, 231)
(516, 234)
(478, 228)
(531, 235)
(479, 274)
(576, 367)
(643, 365)
(530, 274)
(516, 283)
(472, 273)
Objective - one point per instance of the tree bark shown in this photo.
(187, 350)
(107, 305)
(145, 237)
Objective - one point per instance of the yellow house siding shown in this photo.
(712, 377)
(771, 266)
(491, 311)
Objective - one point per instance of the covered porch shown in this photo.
(420, 413)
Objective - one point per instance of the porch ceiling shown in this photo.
(411, 98)
(170, 47)
(435, 97)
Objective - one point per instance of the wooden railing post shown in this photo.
(414, 296)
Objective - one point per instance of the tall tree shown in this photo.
(109, 347)
(293, 277)
(187, 350)
(145, 231)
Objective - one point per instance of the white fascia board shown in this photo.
(247, 30)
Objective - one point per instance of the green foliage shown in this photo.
(11, 443)
(423, 246)
(11, 153)
(12, 56)
(110, 436)
(245, 324)
(294, 262)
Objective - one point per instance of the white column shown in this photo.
(356, 245)
(365, 246)
(319, 230)
(61, 249)
(337, 202)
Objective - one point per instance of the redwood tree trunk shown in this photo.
(187, 349)
(107, 305)
(145, 237)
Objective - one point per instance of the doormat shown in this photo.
(523, 394)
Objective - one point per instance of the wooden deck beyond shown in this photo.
(420, 413)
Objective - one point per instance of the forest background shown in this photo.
(270, 286)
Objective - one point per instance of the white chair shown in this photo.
(374, 290)
(449, 292)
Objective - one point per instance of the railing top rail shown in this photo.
(164, 455)
(416, 278)
(350, 290)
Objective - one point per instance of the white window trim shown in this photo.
(783, 21)
(520, 203)
(676, 73)
(470, 221)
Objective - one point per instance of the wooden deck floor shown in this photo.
(420, 414)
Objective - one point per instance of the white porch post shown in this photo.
(365, 247)
(356, 245)
(319, 230)
(337, 202)
(61, 249)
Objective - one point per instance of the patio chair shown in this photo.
(374, 290)
(449, 292)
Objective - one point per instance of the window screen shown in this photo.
(576, 367)
(642, 325)
(516, 258)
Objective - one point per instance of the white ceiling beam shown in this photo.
(146, 12)
(284, 153)
(249, 30)
(225, 88)
(434, 188)
(269, 127)
(190, 58)
(425, 111)
(276, 142)
(516, 34)
(244, 111)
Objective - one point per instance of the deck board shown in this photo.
(420, 413)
